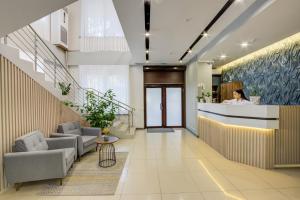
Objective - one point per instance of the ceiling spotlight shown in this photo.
(239, 1)
(223, 56)
(147, 51)
(244, 44)
(180, 61)
(147, 61)
(147, 34)
(205, 34)
(190, 51)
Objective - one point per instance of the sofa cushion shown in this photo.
(34, 141)
(62, 128)
(69, 155)
(76, 125)
(88, 140)
(74, 132)
(69, 128)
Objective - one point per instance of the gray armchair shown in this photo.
(38, 158)
(86, 136)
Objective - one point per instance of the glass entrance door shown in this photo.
(164, 106)
(174, 106)
(154, 107)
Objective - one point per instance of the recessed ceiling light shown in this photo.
(205, 34)
(147, 51)
(239, 1)
(180, 61)
(190, 51)
(147, 61)
(223, 56)
(147, 34)
(244, 44)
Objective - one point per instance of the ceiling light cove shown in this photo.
(204, 34)
(147, 6)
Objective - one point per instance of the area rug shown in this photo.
(160, 130)
(86, 178)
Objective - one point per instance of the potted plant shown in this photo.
(65, 88)
(255, 95)
(100, 112)
(207, 97)
(204, 98)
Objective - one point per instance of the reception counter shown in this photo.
(252, 134)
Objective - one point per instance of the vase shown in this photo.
(255, 99)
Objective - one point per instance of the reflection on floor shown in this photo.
(179, 166)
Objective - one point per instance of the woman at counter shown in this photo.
(239, 98)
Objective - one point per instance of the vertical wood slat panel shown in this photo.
(245, 145)
(288, 136)
(26, 106)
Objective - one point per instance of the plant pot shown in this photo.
(255, 99)
(105, 131)
(207, 100)
(105, 138)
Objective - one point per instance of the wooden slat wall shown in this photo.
(25, 106)
(245, 145)
(288, 137)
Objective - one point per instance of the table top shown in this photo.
(111, 139)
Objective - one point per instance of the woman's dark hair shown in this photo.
(241, 92)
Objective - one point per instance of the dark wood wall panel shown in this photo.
(164, 77)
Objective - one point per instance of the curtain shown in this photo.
(100, 27)
(103, 78)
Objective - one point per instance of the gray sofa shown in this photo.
(86, 136)
(38, 158)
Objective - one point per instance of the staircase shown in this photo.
(34, 56)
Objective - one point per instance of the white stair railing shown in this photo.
(34, 49)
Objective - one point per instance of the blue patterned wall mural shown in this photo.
(276, 75)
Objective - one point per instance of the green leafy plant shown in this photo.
(65, 88)
(254, 91)
(100, 112)
(203, 95)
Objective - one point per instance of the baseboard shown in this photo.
(193, 132)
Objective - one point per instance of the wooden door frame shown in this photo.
(164, 114)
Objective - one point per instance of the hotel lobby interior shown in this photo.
(150, 99)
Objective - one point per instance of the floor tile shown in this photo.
(141, 183)
(176, 183)
(263, 195)
(141, 197)
(245, 180)
(291, 193)
(224, 195)
(183, 196)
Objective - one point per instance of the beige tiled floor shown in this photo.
(179, 166)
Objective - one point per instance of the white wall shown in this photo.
(136, 79)
(43, 29)
(195, 73)
(74, 26)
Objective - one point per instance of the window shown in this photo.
(100, 27)
(103, 78)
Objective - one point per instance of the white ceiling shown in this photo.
(15, 14)
(175, 24)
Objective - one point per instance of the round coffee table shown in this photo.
(107, 154)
